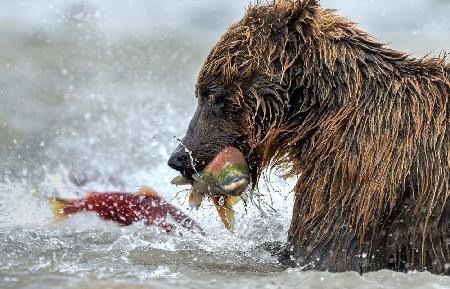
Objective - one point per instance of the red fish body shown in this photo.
(125, 209)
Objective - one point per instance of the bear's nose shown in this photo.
(180, 161)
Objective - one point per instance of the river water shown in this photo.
(98, 91)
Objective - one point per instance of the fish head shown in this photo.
(227, 174)
(224, 179)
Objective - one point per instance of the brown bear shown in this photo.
(366, 129)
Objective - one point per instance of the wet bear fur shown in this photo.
(364, 128)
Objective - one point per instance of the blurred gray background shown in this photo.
(106, 85)
(99, 90)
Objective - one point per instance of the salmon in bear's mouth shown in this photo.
(227, 174)
(224, 179)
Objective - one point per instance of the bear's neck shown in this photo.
(358, 113)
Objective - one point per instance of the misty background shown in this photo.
(96, 92)
(104, 86)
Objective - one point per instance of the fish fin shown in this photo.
(231, 201)
(225, 211)
(195, 199)
(57, 206)
(149, 192)
(180, 181)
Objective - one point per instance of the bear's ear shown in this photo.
(301, 13)
(309, 4)
(305, 4)
(303, 8)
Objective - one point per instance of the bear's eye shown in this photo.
(214, 101)
(211, 99)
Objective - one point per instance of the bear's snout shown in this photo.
(180, 160)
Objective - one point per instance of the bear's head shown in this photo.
(247, 88)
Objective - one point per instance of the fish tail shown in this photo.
(224, 207)
(57, 206)
(231, 201)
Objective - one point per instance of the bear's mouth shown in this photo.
(188, 174)
(198, 166)
(223, 181)
(227, 174)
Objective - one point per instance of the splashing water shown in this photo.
(92, 94)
